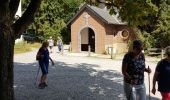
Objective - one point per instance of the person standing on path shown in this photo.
(162, 76)
(51, 44)
(59, 44)
(133, 68)
(43, 59)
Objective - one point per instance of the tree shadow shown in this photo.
(79, 81)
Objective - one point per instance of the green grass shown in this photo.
(23, 47)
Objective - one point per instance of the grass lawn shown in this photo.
(23, 47)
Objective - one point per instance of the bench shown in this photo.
(154, 51)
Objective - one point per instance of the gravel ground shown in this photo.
(74, 77)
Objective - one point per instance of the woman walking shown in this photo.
(43, 59)
(162, 76)
(133, 68)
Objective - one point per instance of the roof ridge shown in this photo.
(104, 13)
(101, 13)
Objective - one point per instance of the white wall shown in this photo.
(19, 13)
(84, 36)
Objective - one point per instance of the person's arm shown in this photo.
(124, 71)
(148, 70)
(51, 61)
(125, 67)
(155, 78)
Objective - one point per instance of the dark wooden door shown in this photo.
(92, 40)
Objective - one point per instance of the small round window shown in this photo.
(125, 34)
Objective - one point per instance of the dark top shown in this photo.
(45, 53)
(163, 67)
(135, 67)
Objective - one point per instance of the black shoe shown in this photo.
(41, 86)
(45, 84)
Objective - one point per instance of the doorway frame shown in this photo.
(79, 36)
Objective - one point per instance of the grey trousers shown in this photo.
(135, 92)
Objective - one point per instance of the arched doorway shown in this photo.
(87, 39)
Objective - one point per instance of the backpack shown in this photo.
(38, 57)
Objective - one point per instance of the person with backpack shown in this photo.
(133, 68)
(43, 59)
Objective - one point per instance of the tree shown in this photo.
(52, 17)
(9, 31)
(162, 32)
(151, 17)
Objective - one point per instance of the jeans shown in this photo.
(135, 92)
(44, 67)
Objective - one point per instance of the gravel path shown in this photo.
(74, 77)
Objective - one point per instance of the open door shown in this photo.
(92, 40)
(87, 38)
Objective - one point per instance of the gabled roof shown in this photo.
(103, 14)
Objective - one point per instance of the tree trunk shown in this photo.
(8, 32)
(6, 62)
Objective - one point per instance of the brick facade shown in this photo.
(106, 35)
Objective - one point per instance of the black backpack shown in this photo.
(38, 55)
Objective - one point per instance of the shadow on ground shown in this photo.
(68, 82)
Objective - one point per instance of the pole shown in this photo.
(111, 52)
(162, 53)
(62, 49)
(36, 78)
(70, 47)
(89, 50)
(149, 84)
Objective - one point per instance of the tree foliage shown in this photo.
(52, 17)
(151, 17)
(162, 32)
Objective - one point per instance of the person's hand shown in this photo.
(153, 90)
(52, 63)
(127, 77)
(134, 81)
(148, 70)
